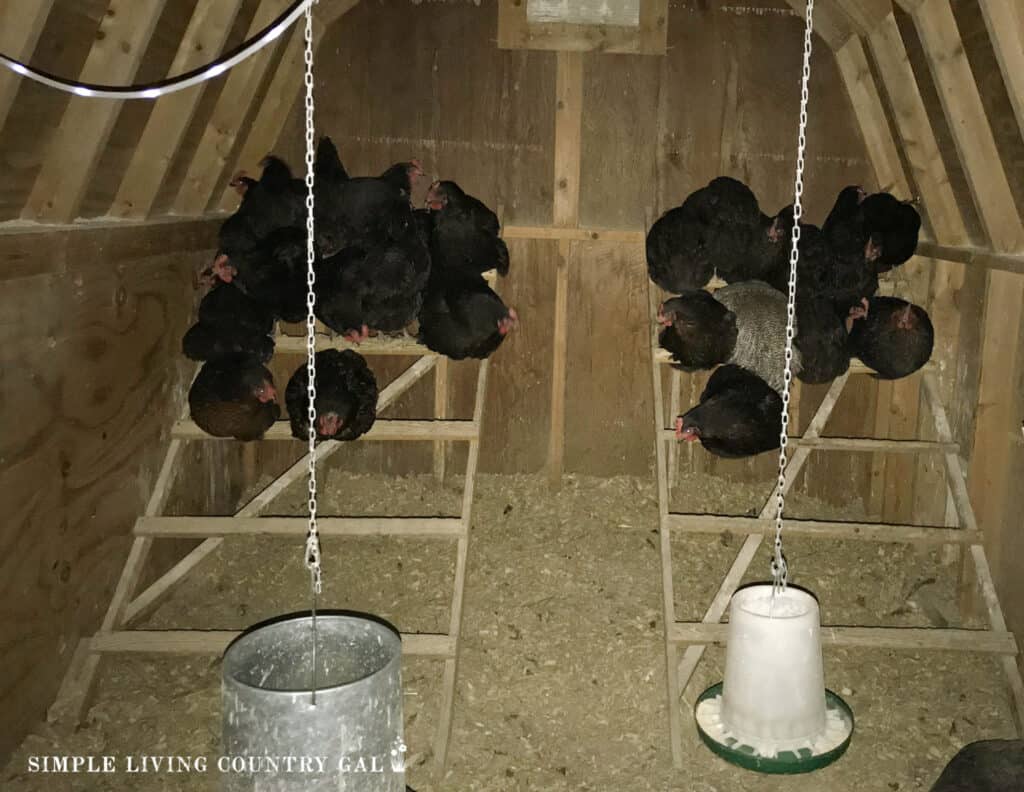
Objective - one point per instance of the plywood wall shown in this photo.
(90, 380)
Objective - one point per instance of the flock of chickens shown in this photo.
(380, 266)
(719, 230)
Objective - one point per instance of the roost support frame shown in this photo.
(964, 533)
(128, 607)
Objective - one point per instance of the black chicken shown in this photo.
(739, 415)
(346, 397)
(277, 201)
(821, 337)
(895, 338)
(359, 212)
(274, 274)
(893, 227)
(711, 232)
(462, 316)
(231, 324)
(234, 397)
(379, 290)
(743, 323)
(465, 233)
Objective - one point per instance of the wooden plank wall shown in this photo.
(654, 128)
(91, 379)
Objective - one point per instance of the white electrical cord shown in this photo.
(171, 84)
(780, 572)
(313, 535)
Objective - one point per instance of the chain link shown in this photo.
(780, 572)
(313, 536)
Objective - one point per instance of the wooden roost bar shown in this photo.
(133, 551)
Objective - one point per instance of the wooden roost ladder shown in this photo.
(962, 530)
(128, 607)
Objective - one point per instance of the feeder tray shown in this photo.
(804, 760)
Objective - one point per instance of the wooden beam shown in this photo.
(997, 422)
(575, 234)
(871, 117)
(1005, 22)
(869, 444)
(218, 141)
(20, 28)
(568, 132)
(833, 28)
(202, 527)
(85, 127)
(909, 639)
(822, 529)
(425, 431)
(285, 88)
(207, 31)
(216, 641)
(961, 102)
(972, 257)
(919, 144)
(865, 15)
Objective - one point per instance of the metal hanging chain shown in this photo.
(780, 572)
(313, 535)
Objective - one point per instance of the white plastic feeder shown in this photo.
(773, 705)
(275, 740)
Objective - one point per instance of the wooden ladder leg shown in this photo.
(986, 586)
(76, 689)
(451, 665)
(674, 384)
(556, 439)
(440, 412)
(675, 721)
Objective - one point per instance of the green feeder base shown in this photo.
(803, 760)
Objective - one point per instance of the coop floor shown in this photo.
(562, 676)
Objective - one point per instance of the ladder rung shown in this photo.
(201, 527)
(382, 431)
(860, 444)
(870, 532)
(904, 638)
(216, 641)
(856, 366)
(382, 345)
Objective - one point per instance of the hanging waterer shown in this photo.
(313, 702)
(773, 713)
(351, 737)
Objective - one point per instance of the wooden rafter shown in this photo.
(871, 117)
(865, 15)
(203, 40)
(968, 123)
(218, 140)
(282, 93)
(20, 29)
(84, 130)
(919, 143)
(1004, 298)
(833, 27)
(1005, 22)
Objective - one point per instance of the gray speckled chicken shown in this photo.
(743, 323)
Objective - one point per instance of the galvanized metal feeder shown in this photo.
(313, 702)
(350, 739)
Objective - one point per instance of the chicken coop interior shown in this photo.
(521, 508)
